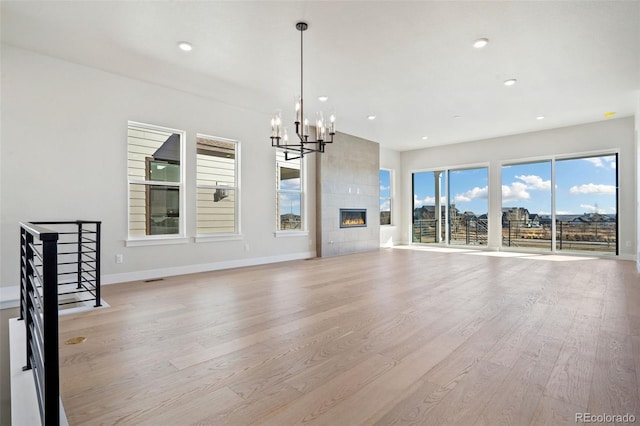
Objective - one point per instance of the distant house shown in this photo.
(428, 212)
(566, 218)
(544, 220)
(592, 218)
(290, 221)
(534, 220)
(515, 214)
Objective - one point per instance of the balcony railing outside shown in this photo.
(570, 236)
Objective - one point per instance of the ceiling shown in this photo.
(411, 64)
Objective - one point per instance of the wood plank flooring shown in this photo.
(391, 337)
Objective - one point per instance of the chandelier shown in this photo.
(302, 144)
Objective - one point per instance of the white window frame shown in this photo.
(391, 185)
(303, 231)
(236, 235)
(180, 237)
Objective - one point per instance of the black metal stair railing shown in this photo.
(78, 261)
(39, 310)
(59, 265)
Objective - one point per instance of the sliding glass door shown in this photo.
(450, 206)
(526, 205)
(428, 207)
(468, 206)
(587, 204)
(585, 215)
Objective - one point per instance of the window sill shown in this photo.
(213, 238)
(154, 241)
(279, 234)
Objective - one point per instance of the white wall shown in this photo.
(595, 137)
(63, 157)
(391, 235)
(637, 146)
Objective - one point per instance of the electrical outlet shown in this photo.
(119, 258)
(246, 247)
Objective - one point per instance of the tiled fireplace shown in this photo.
(348, 197)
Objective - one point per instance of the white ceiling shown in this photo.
(411, 64)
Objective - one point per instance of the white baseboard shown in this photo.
(9, 297)
(204, 267)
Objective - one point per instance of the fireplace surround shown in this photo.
(353, 218)
(347, 177)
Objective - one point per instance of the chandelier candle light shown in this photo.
(324, 130)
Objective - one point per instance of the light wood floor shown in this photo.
(389, 337)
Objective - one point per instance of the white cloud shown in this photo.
(514, 192)
(592, 188)
(596, 161)
(384, 188)
(592, 209)
(602, 161)
(535, 182)
(385, 206)
(428, 201)
(472, 194)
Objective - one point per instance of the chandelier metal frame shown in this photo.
(279, 136)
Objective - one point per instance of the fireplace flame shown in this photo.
(353, 222)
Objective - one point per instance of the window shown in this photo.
(585, 216)
(217, 186)
(526, 205)
(468, 206)
(155, 180)
(288, 193)
(385, 197)
(587, 204)
(427, 202)
(451, 206)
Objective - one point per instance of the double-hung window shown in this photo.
(217, 186)
(155, 179)
(289, 193)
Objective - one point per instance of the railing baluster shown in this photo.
(51, 362)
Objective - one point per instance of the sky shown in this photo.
(583, 185)
(385, 190)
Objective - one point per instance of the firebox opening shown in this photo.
(353, 218)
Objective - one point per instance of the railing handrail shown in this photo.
(40, 232)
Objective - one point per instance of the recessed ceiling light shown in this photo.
(480, 43)
(185, 45)
(424, 138)
(609, 114)
(371, 117)
(323, 98)
(540, 117)
(510, 82)
(457, 117)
